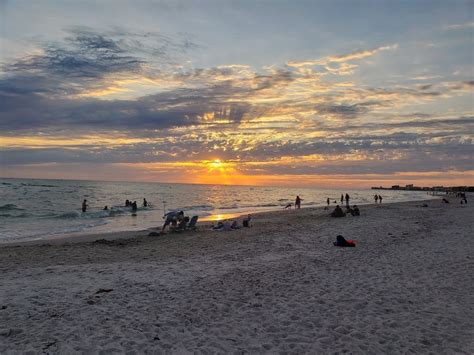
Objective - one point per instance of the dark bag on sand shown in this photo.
(342, 242)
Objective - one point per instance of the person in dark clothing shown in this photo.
(342, 242)
(145, 203)
(127, 203)
(134, 206)
(342, 199)
(328, 201)
(355, 211)
(84, 206)
(347, 199)
(338, 212)
(298, 202)
(380, 198)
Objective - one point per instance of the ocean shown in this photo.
(32, 209)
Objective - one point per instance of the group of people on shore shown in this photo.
(128, 203)
(378, 198)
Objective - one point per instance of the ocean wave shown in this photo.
(10, 207)
(198, 207)
(9, 215)
(40, 185)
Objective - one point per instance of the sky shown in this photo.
(293, 93)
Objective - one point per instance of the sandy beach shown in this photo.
(278, 287)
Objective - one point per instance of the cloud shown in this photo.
(292, 119)
(459, 26)
(341, 58)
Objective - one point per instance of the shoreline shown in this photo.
(87, 237)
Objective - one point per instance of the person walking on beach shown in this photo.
(376, 198)
(347, 199)
(342, 198)
(380, 199)
(328, 201)
(298, 202)
(84, 206)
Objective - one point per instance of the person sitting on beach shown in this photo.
(355, 211)
(172, 218)
(288, 206)
(338, 212)
(182, 224)
(220, 226)
(246, 221)
(235, 225)
(342, 242)
(223, 226)
(84, 206)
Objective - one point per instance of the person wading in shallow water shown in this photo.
(84, 206)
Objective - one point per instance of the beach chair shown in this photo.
(192, 223)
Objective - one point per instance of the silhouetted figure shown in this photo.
(376, 198)
(445, 200)
(288, 206)
(145, 203)
(246, 221)
(328, 201)
(355, 211)
(342, 198)
(84, 206)
(173, 218)
(380, 199)
(338, 212)
(298, 202)
(342, 242)
(347, 199)
(106, 208)
(134, 206)
(127, 203)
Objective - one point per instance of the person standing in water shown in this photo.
(380, 199)
(298, 202)
(145, 203)
(342, 198)
(84, 206)
(376, 198)
(347, 199)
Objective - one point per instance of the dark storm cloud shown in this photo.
(84, 55)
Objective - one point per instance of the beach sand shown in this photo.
(278, 287)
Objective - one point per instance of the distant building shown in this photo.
(395, 187)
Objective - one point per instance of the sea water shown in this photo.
(37, 209)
